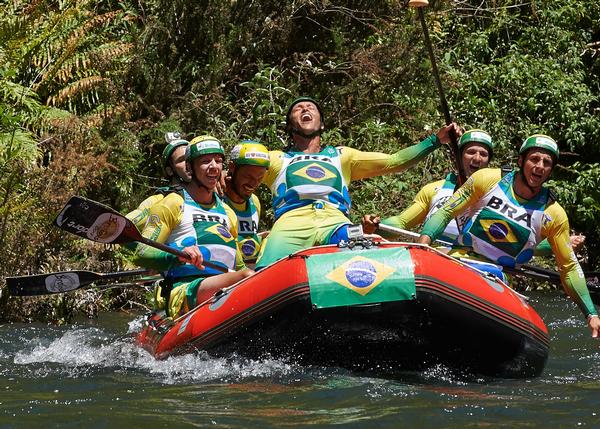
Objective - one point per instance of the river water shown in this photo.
(92, 375)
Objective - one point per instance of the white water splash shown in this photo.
(83, 350)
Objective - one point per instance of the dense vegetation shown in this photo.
(88, 88)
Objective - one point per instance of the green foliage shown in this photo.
(523, 71)
(88, 89)
(579, 193)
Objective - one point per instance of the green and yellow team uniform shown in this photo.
(178, 221)
(248, 215)
(310, 192)
(428, 200)
(139, 215)
(505, 229)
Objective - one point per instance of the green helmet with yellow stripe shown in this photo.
(203, 145)
(478, 136)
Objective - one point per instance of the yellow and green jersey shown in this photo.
(505, 228)
(248, 216)
(178, 221)
(298, 179)
(310, 192)
(427, 201)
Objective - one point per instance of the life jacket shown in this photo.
(504, 230)
(210, 229)
(247, 228)
(314, 178)
(442, 195)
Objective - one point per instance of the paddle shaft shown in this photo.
(444, 104)
(179, 253)
(97, 222)
(525, 269)
(119, 274)
(406, 234)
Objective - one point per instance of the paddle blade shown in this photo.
(97, 222)
(65, 281)
(46, 284)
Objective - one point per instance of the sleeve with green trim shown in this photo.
(163, 217)
(571, 274)
(140, 214)
(358, 165)
(414, 214)
(543, 249)
(465, 197)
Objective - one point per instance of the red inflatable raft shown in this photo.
(391, 307)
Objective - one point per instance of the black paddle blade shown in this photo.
(46, 284)
(97, 222)
(65, 281)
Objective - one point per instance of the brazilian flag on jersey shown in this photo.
(505, 234)
(361, 277)
(313, 173)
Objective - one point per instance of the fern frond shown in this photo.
(76, 88)
(109, 52)
(77, 37)
(101, 57)
(18, 145)
(19, 97)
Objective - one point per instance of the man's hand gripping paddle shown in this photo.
(419, 5)
(97, 222)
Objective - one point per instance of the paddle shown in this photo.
(592, 277)
(419, 5)
(64, 281)
(97, 222)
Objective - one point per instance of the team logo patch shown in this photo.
(499, 231)
(221, 231)
(315, 173)
(360, 274)
(248, 247)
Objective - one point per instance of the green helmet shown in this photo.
(300, 100)
(250, 152)
(170, 148)
(478, 136)
(203, 145)
(540, 141)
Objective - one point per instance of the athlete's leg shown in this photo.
(210, 285)
(292, 232)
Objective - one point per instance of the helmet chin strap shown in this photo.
(306, 136)
(524, 179)
(197, 182)
(234, 188)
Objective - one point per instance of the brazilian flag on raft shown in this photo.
(361, 277)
